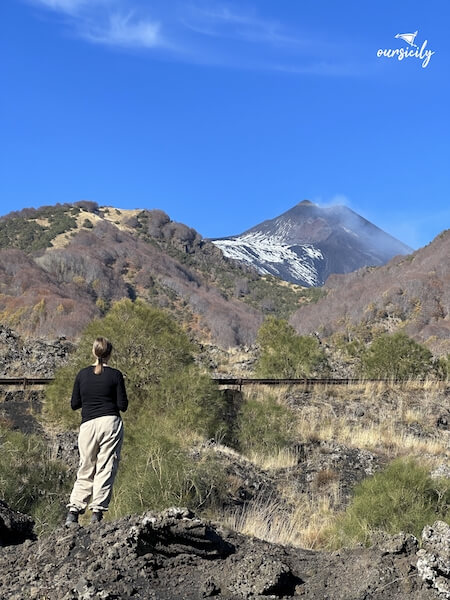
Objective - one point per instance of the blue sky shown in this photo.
(224, 114)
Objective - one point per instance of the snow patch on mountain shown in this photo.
(283, 228)
(308, 243)
(347, 230)
(269, 255)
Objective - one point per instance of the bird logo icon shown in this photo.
(409, 38)
(413, 51)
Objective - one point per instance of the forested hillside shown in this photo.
(409, 294)
(61, 266)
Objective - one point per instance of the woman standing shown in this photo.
(99, 390)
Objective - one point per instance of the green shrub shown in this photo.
(396, 356)
(157, 360)
(30, 481)
(157, 472)
(402, 497)
(21, 230)
(283, 353)
(442, 367)
(172, 404)
(263, 426)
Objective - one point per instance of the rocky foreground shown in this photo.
(175, 555)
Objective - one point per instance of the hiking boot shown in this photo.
(97, 516)
(72, 518)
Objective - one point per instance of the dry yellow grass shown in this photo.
(303, 526)
(63, 239)
(114, 215)
(396, 442)
(43, 222)
(326, 415)
(283, 458)
(280, 459)
(227, 450)
(384, 436)
(119, 216)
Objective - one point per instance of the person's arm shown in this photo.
(121, 398)
(75, 401)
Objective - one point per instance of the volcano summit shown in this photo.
(308, 243)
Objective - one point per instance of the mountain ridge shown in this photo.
(62, 266)
(307, 243)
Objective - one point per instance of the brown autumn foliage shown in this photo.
(48, 290)
(410, 293)
(57, 291)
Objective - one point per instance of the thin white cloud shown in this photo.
(221, 21)
(223, 16)
(100, 22)
(211, 34)
(337, 199)
(272, 45)
(65, 6)
(125, 31)
(340, 199)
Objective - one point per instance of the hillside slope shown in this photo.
(61, 266)
(411, 293)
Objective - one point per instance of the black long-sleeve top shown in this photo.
(99, 395)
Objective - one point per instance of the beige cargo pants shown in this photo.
(100, 442)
